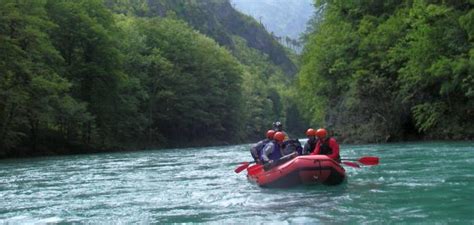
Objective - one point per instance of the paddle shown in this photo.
(246, 164)
(369, 160)
(280, 161)
(242, 167)
(366, 160)
(351, 164)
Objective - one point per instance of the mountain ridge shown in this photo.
(284, 18)
(219, 20)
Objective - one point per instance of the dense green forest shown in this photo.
(376, 71)
(92, 75)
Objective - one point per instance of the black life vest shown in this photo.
(309, 146)
(324, 148)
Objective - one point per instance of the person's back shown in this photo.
(272, 151)
(256, 149)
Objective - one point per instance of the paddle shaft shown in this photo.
(366, 160)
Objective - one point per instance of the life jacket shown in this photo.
(325, 149)
(276, 154)
(309, 146)
(260, 146)
(312, 143)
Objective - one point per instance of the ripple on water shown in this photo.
(414, 183)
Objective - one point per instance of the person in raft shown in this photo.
(278, 127)
(311, 143)
(326, 146)
(272, 151)
(256, 149)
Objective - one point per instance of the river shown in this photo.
(419, 182)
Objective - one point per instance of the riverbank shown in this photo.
(27, 152)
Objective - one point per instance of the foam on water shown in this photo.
(414, 183)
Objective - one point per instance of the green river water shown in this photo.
(422, 182)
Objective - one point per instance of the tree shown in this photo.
(32, 90)
(386, 70)
(86, 37)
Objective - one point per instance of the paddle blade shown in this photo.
(241, 167)
(369, 160)
(351, 164)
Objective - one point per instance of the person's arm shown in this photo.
(306, 149)
(267, 150)
(335, 148)
(253, 151)
(316, 149)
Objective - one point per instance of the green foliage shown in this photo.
(427, 115)
(204, 91)
(220, 21)
(128, 7)
(263, 57)
(325, 70)
(32, 92)
(384, 67)
(77, 77)
(268, 94)
(86, 37)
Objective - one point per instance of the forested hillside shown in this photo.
(216, 19)
(89, 75)
(286, 19)
(268, 77)
(391, 70)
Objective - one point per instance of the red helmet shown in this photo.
(279, 136)
(270, 134)
(321, 133)
(310, 132)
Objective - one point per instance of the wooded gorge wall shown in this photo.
(92, 75)
(378, 71)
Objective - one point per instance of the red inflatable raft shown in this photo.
(308, 169)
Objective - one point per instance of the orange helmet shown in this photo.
(310, 132)
(279, 136)
(270, 134)
(321, 133)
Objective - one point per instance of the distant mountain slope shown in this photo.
(219, 20)
(285, 18)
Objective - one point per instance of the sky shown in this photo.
(285, 18)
